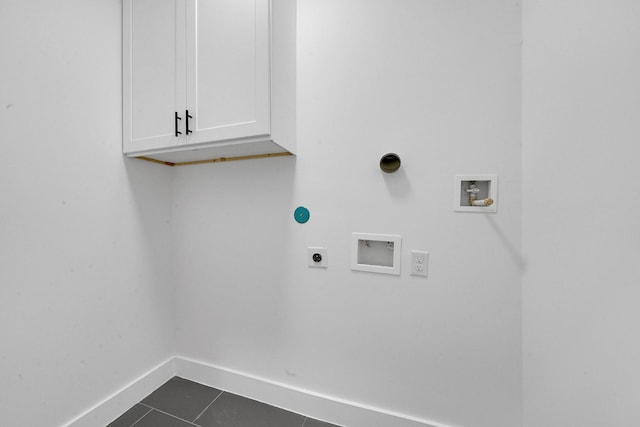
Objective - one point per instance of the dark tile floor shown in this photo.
(184, 403)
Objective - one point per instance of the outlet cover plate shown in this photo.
(324, 263)
(420, 263)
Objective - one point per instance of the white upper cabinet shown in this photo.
(206, 79)
(150, 94)
(230, 98)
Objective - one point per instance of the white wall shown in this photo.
(85, 299)
(581, 224)
(438, 83)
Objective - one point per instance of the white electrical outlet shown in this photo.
(317, 257)
(420, 263)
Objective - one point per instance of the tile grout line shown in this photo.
(140, 419)
(205, 409)
(171, 415)
(193, 423)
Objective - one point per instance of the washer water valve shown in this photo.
(473, 191)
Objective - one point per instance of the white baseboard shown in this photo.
(315, 405)
(115, 405)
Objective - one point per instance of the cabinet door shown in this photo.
(151, 38)
(228, 82)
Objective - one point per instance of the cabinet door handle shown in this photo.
(187, 122)
(176, 124)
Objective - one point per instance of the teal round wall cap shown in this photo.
(301, 214)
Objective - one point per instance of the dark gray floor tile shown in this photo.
(310, 422)
(230, 410)
(182, 398)
(130, 417)
(316, 423)
(158, 419)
